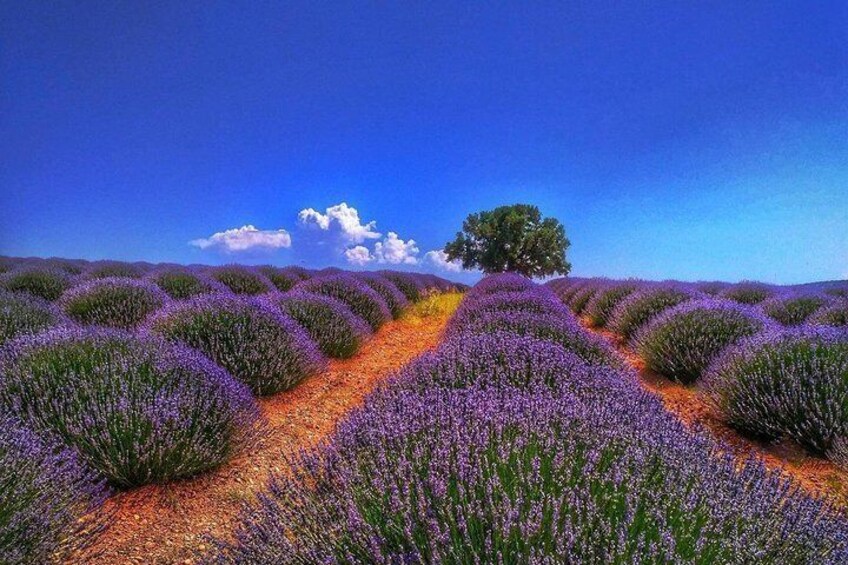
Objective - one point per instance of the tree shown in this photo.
(511, 239)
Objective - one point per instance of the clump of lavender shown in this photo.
(506, 360)
(21, 314)
(241, 280)
(580, 299)
(748, 292)
(282, 279)
(180, 283)
(785, 383)
(711, 288)
(681, 342)
(113, 302)
(601, 305)
(508, 476)
(360, 298)
(112, 269)
(406, 283)
(388, 291)
(138, 410)
(836, 314)
(503, 282)
(639, 307)
(42, 282)
(538, 300)
(47, 498)
(338, 332)
(793, 309)
(559, 328)
(251, 339)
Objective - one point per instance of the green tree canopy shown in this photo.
(511, 239)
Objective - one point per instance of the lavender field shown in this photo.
(525, 436)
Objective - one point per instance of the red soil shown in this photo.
(167, 523)
(815, 474)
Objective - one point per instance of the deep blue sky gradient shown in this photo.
(672, 141)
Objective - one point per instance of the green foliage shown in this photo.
(511, 239)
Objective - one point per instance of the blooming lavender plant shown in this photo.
(599, 308)
(580, 299)
(137, 409)
(639, 307)
(47, 496)
(406, 283)
(281, 279)
(681, 342)
(835, 314)
(250, 338)
(112, 269)
(22, 314)
(560, 328)
(517, 476)
(785, 383)
(537, 300)
(329, 322)
(362, 299)
(748, 292)
(113, 302)
(180, 283)
(388, 291)
(503, 282)
(42, 282)
(792, 309)
(241, 280)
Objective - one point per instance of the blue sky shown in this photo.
(672, 142)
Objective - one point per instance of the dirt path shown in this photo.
(815, 474)
(166, 524)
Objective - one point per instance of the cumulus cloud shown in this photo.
(341, 218)
(359, 255)
(439, 259)
(395, 251)
(245, 238)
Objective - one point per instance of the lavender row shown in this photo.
(503, 446)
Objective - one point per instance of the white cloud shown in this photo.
(358, 255)
(395, 251)
(340, 217)
(244, 238)
(439, 259)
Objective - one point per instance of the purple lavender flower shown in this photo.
(113, 302)
(361, 298)
(388, 291)
(181, 283)
(137, 410)
(682, 341)
(834, 314)
(785, 383)
(250, 338)
(114, 269)
(329, 322)
(241, 280)
(793, 309)
(599, 308)
(639, 307)
(47, 498)
(407, 283)
(22, 314)
(40, 281)
(748, 292)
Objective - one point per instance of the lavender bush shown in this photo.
(558, 328)
(406, 283)
(601, 305)
(580, 299)
(46, 498)
(113, 269)
(681, 342)
(137, 409)
(360, 298)
(748, 292)
(114, 302)
(22, 315)
(835, 314)
(338, 332)
(711, 288)
(507, 476)
(792, 309)
(388, 291)
(639, 307)
(538, 300)
(785, 383)
(180, 283)
(281, 279)
(504, 282)
(45, 283)
(241, 280)
(251, 339)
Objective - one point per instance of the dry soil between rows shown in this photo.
(168, 523)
